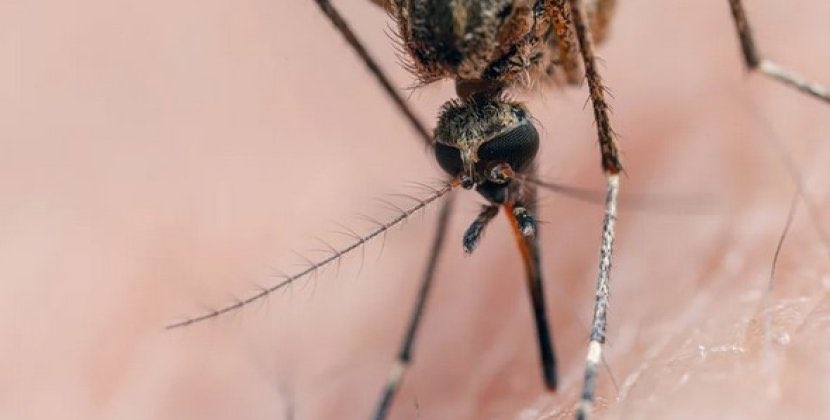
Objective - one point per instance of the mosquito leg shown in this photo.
(473, 233)
(612, 168)
(528, 242)
(754, 61)
(566, 43)
(370, 63)
(599, 13)
(598, 325)
(405, 354)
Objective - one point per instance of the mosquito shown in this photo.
(488, 143)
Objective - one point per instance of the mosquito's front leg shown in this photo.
(754, 61)
(404, 357)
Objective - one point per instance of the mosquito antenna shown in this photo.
(390, 204)
(407, 196)
(379, 225)
(315, 266)
(347, 231)
(332, 251)
(306, 262)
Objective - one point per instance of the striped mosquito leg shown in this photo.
(612, 167)
(401, 364)
(754, 61)
(524, 229)
(598, 326)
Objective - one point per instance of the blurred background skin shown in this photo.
(157, 158)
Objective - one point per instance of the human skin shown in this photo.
(159, 158)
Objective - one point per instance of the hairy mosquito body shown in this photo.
(488, 143)
(495, 41)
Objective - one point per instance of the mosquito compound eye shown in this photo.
(449, 158)
(517, 147)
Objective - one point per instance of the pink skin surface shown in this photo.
(157, 158)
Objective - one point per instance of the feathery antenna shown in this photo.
(314, 266)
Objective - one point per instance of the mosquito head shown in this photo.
(484, 141)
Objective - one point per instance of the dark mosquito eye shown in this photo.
(517, 147)
(449, 158)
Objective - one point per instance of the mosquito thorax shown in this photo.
(498, 40)
(484, 141)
